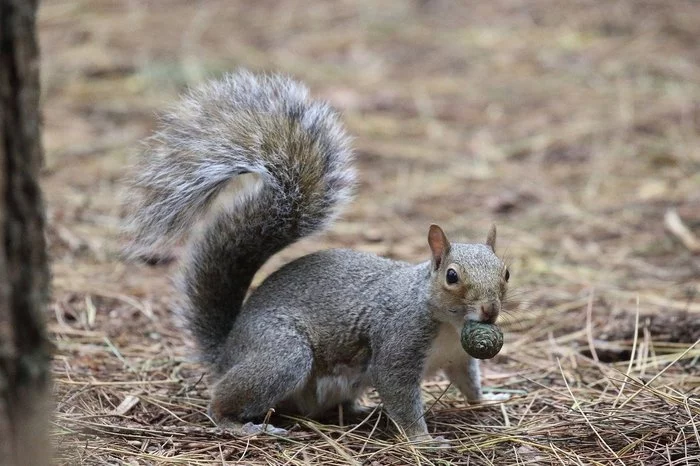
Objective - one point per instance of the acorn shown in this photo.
(480, 340)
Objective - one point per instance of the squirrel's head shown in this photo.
(467, 281)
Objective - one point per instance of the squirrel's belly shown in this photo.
(324, 392)
(333, 390)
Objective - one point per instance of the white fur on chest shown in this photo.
(446, 350)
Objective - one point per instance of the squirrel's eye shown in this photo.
(507, 276)
(452, 276)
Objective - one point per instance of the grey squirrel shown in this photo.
(325, 327)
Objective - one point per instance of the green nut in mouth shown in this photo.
(481, 340)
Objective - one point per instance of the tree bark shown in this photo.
(24, 349)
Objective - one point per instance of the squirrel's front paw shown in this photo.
(486, 397)
(249, 428)
(495, 397)
(440, 442)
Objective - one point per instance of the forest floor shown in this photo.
(575, 126)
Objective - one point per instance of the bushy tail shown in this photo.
(244, 123)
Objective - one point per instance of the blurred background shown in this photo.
(574, 126)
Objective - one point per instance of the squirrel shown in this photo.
(322, 329)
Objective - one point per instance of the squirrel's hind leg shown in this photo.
(267, 375)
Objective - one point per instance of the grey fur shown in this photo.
(323, 328)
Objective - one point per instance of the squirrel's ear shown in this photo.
(491, 238)
(439, 245)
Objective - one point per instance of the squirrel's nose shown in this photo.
(489, 312)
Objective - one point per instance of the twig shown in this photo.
(675, 225)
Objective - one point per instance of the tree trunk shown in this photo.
(24, 350)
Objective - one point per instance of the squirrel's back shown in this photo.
(243, 123)
(312, 282)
